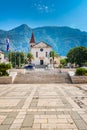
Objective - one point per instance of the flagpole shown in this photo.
(7, 43)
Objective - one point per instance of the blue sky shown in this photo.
(37, 13)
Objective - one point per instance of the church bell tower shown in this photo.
(32, 41)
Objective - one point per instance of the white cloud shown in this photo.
(43, 7)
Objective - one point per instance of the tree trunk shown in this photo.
(53, 61)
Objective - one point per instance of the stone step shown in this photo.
(32, 78)
(40, 66)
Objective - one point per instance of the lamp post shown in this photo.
(10, 58)
(19, 59)
(15, 58)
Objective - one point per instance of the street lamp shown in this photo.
(19, 59)
(15, 58)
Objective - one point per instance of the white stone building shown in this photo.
(41, 52)
(1, 57)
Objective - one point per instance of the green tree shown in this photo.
(63, 61)
(30, 57)
(53, 54)
(3, 69)
(77, 55)
(85, 63)
(16, 58)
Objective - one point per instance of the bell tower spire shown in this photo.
(32, 40)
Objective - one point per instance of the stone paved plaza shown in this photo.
(43, 107)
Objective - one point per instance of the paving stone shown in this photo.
(40, 113)
(12, 114)
(26, 128)
(57, 121)
(48, 126)
(35, 112)
(81, 125)
(75, 115)
(66, 126)
(33, 105)
(40, 121)
(59, 112)
(36, 126)
(51, 112)
(18, 121)
(4, 127)
(8, 121)
(14, 129)
(28, 121)
(15, 126)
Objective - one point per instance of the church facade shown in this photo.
(41, 52)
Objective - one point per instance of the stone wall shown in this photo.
(77, 79)
(19, 71)
(8, 79)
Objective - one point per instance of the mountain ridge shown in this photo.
(61, 38)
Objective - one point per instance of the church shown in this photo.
(41, 52)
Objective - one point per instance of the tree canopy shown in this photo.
(30, 57)
(63, 61)
(77, 55)
(16, 58)
(3, 69)
(53, 54)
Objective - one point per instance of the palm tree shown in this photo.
(53, 54)
(30, 57)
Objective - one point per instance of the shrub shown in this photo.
(60, 66)
(85, 63)
(63, 62)
(81, 71)
(3, 69)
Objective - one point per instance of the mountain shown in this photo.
(62, 39)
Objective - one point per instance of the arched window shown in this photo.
(36, 54)
(46, 54)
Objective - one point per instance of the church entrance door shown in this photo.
(41, 62)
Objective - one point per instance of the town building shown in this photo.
(1, 57)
